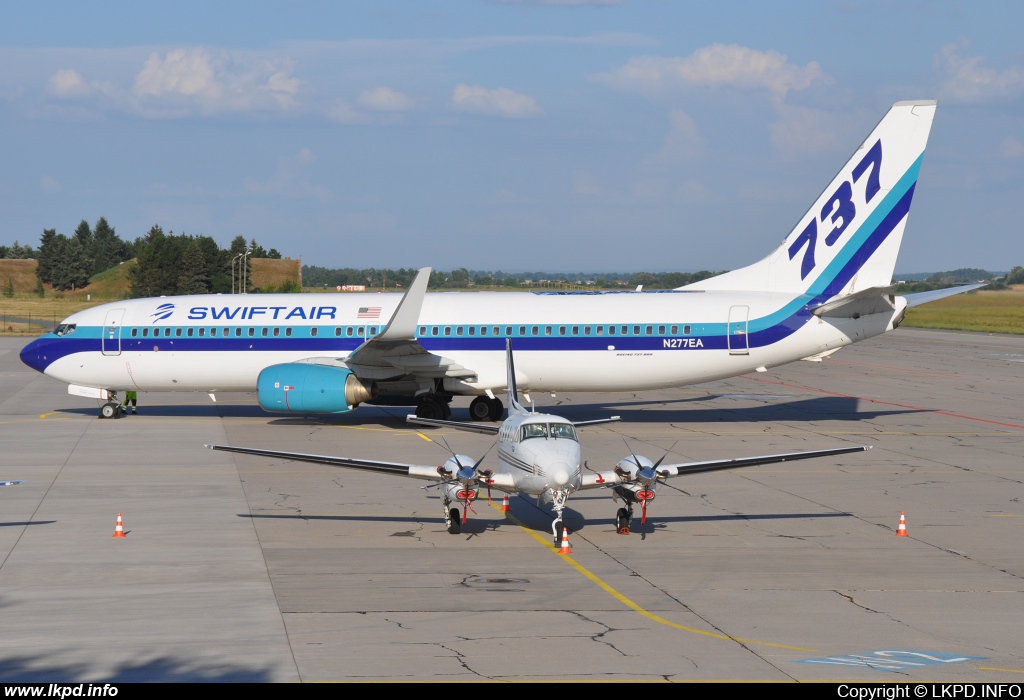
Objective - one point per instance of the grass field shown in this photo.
(982, 311)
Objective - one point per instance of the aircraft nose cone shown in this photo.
(32, 355)
(560, 474)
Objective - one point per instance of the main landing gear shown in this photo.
(451, 517)
(483, 408)
(434, 407)
(622, 519)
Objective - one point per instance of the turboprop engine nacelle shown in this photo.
(298, 387)
(637, 469)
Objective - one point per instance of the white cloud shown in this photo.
(384, 99)
(183, 80)
(287, 181)
(48, 184)
(683, 141)
(67, 83)
(965, 79)
(1011, 148)
(342, 111)
(801, 130)
(500, 102)
(711, 66)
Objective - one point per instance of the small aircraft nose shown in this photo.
(32, 355)
(560, 474)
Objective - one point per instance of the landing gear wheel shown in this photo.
(431, 408)
(110, 410)
(446, 411)
(454, 522)
(480, 409)
(622, 521)
(559, 528)
(497, 408)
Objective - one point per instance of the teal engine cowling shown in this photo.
(299, 387)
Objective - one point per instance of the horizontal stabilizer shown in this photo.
(875, 300)
(919, 298)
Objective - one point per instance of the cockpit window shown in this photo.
(65, 329)
(533, 430)
(563, 430)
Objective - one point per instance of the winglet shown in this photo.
(402, 325)
(513, 401)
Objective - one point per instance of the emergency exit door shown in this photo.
(111, 340)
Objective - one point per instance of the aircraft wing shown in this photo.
(485, 428)
(598, 479)
(395, 352)
(416, 471)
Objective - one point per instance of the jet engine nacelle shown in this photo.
(298, 387)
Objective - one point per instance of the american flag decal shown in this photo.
(368, 312)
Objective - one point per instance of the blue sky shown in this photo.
(560, 135)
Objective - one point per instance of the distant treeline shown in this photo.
(167, 264)
(461, 278)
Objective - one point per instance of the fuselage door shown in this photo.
(737, 330)
(111, 339)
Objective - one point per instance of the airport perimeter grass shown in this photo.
(982, 311)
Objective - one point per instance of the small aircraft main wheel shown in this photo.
(622, 521)
(497, 408)
(109, 410)
(480, 409)
(454, 522)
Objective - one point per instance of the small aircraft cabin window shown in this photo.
(575, 330)
(547, 330)
(533, 430)
(167, 332)
(636, 330)
(561, 330)
(611, 330)
(661, 330)
(472, 330)
(177, 332)
(650, 329)
(238, 332)
(372, 330)
(202, 332)
(288, 332)
(145, 332)
(522, 330)
(600, 330)
(67, 329)
(447, 330)
(674, 330)
(686, 330)
(508, 331)
(277, 332)
(135, 332)
(536, 330)
(563, 430)
(586, 330)
(337, 331)
(189, 332)
(227, 332)
(624, 330)
(264, 332)
(348, 331)
(433, 330)
(458, 330)
(423, 330)
(361, 331)
(483, 330)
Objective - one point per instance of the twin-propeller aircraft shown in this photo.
(828, 285)
(539, 455)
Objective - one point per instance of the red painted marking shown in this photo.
(888, 403)
(600, 479)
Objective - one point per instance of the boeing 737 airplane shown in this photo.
(829, 284)
(538, 454)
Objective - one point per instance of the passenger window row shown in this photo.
(527, 331)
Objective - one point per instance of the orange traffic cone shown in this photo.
(901, 531)
(565, 548)
(505, 507)
(118, 529)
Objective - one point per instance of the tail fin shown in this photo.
(849, 239)
(513, 393)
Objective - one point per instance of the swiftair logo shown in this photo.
(163, 311)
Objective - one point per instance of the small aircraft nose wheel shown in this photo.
(622, 521)
(557, 527)
(110, 410)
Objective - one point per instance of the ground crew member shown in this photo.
(130, 397)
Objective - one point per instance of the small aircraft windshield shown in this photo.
(563, 431)
(65, 329)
